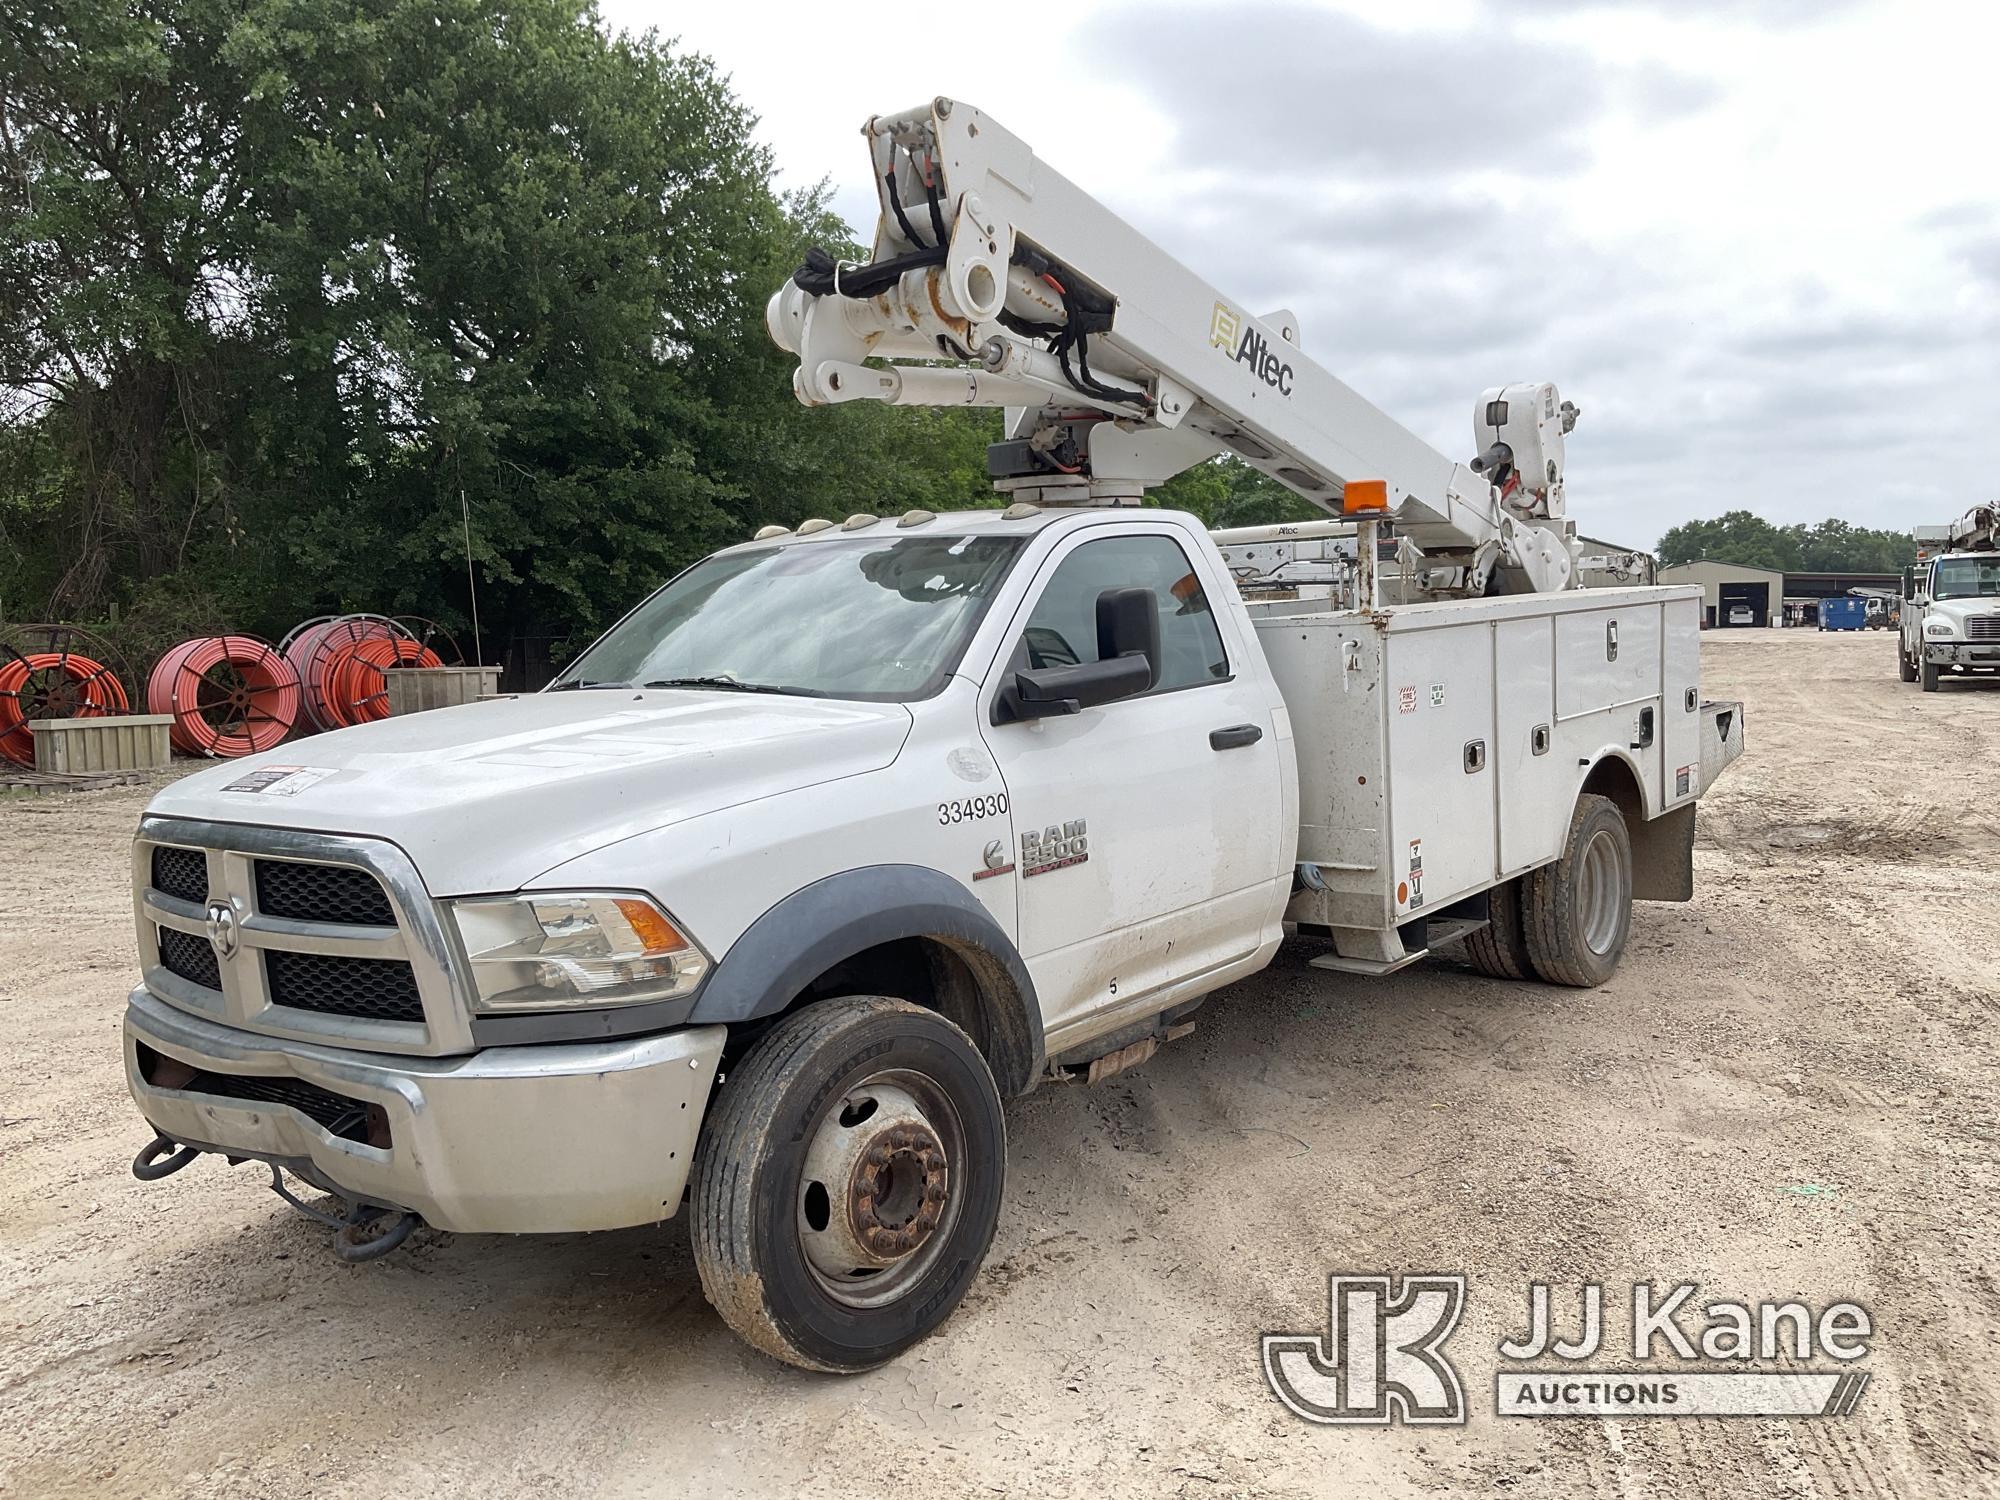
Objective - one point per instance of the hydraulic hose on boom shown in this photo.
(995, 281)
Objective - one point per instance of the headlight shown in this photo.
(1939, 627)
(544, 950)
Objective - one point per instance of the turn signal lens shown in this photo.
(650, 926)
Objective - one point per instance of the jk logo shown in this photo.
(1379, 1360)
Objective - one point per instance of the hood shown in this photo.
(488, 796)
(1959, 610)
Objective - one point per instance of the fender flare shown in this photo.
(1621, 754)
(833, 919)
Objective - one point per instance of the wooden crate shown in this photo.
(124, 742)
(414, 689)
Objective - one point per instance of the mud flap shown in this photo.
(1663, 856)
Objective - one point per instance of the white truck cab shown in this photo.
(847, 834)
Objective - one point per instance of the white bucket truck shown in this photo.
(847, 834)
(1951, 601)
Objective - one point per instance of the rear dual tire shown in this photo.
(1499, 950)
(1565, 922)
(1577, 912)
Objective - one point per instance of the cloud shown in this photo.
(1430, 203)
(1285, 88)
(1754, 12)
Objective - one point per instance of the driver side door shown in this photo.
(1143, 845)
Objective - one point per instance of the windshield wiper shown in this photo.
(722, 684)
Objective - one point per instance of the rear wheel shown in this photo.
(1577, 912)
(848, 1183)
(1500, 948)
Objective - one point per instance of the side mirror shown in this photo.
(1042, 692)
(1128, 649)
(1128, 624)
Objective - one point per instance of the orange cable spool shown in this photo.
(311, 648)
(229, 695)
(52, 685)
(357, 683)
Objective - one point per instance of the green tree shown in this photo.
(289, 291)
(1739, 536)
(1228, 492)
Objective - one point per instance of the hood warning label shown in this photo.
(280, 781)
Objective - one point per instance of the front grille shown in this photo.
(322, 893)
(191, 957)
(181, 873)
(1982, 627)
(378, 989)
(334, 1113)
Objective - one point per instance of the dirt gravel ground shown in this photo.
(1788, 1090)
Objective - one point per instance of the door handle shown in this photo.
(1645, 739)
(1235, 737)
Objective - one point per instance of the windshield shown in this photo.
(1967, 578)
(876, 618)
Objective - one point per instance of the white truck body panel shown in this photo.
(1399, 811)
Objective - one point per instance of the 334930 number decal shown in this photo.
(992, 806)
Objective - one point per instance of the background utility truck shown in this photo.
(1951, 600)
(849, 833)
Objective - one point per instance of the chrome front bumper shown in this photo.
(525, 1139)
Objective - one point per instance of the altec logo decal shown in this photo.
(1246, 344)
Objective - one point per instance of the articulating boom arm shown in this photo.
(1120, 367)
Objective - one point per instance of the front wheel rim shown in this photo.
(882, 1187)
(1603, 892)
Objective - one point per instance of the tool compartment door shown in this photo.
(1439, 704)
(1533, 781)
(1680, 702)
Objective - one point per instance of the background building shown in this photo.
(1725, 585)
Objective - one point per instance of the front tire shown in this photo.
(848, 1182)
(1577, 912)
(1929, 672)
(1903, 667)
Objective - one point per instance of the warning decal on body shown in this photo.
(1416, 873)
(280, 781)
(1406, 699)
(1683, 779)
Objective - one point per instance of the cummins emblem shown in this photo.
(995, 862)
(223, 935)
(1247, 345)
(1054, 849)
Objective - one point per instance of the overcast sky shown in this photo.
(1757, 241)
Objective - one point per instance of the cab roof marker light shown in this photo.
(1365, 497)
(807, 528)
(859, 521)
(765, 533)
(917, 518)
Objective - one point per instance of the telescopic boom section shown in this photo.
(995, 281)
(1978, 530)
